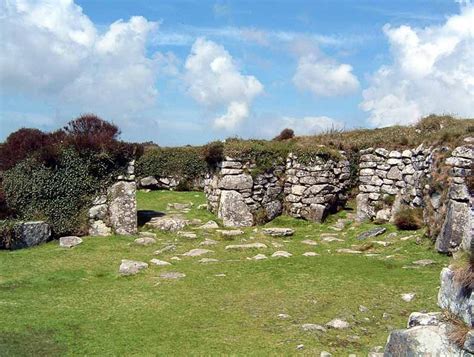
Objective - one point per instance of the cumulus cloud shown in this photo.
(432, 72)
(215, 82)
(51, 49)
(308, 125)
(324, 77)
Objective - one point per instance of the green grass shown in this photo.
(73, 302)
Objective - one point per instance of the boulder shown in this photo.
(273, 209)
(236, 182)
(131, 267)
(230, 233)
(159, 262)
(233, 210)
(281, 254)
(148, 182)
(99, 228)
(168, 223)
(421, 341)
(455, 298)
(338, 324)
(424, 319)
(469, 342)
(374, 232)
(278, 232)
(29, 234)
(209, 225)
(188, 235)
(314, 213)
(245, 246)
(197, 252)
(365, 210)
(456, 228)
(69, 241)
(145, 241)
(259, 257)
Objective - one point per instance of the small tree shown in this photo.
(285, 134)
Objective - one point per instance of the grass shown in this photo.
(73, 302)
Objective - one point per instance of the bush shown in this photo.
(285, 134)
(213, 153)
(60, 195)
(7, 233)
(409, 218)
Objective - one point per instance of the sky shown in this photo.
(192, 71)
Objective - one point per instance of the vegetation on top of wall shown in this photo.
(54, 179)
(187, 162)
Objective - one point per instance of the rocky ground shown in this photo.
(186, 285)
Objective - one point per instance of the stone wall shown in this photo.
(458, 225)
(170, 183)
(388, 179)
(308, 191)
(115, 211)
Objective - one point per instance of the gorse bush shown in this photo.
(285, 134)
(409, 218)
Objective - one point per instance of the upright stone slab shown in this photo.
(233, 211)
(456, 228)
(123, 207)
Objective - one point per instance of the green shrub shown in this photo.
(61, 194)
(213, 153)
(7, 233)
(409, 218)
(186, 162)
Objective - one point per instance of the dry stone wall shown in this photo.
(306, 191)
(388, 179)
(115, 211)
(170, 183)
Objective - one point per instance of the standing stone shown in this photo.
(233, 210)
(364, 209)
(456, 228)
(123, 207)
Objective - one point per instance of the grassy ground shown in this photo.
(57, 301)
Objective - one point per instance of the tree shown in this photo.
(285, 134)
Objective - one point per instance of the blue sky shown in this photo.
(187, 72)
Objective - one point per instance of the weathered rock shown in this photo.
(233, 210)
(374, 232)
(408, 297)
(273, 209)
(172, 275)
(314, 213)
(29, 234)
(236, 182)
(313, 327)
(230, 233)
(246, 246)
(364, 209)
(147, 234)
(159, 262)
(168, 223)
(165, 249)
(148, 181)
(348, 251)
(278, 232)
(456, 229)
(424, 319)
(69, 241)
(145, 241)
(179, 206)
(209, 225)
(208, 260)
(99, 228)
(456, 298)
(338, 324)
(208, 242)
(309, 242)
(197, 252)
(424, 262)
(259, 257)
(310, 254)
(123, 207)
(98, 212)
(188, 235)
(281, 254)
(131, 267)
(421, 341)
(469, 342)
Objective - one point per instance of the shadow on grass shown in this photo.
(144, 216)
(31, 342)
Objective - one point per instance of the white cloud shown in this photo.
(324, 77)
(308, 125)
(215, 82)
(432, 72)
(51, 49)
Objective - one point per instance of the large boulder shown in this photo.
(421, 341)
(233, 210)
(456, 298)
(123, 207)
(168, 223)
(27, 234)
(236, 182)
(456, 229)
(149, 181)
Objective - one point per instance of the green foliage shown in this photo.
(7, 233)
(187, 162)
(409, 218)
(213, 153)
(60, 194)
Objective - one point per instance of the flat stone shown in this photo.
(207, 260)
(179, 206)
(69, 241)
(310, 254)
(197, 252)
(131, 267)
(313, 327)
(230, 233)
(175, 258)
(209, 225)
(168, 223)
(159, 262)
(332, 239)
(408, 297)
(172, 275)
(382, 243)
(147, 234)
(145, 241)
(281, 254)
(348, 251)
(188, 235)
(278, 232)
(284, 316)
(259, 257)
(208, 242)
(338, 324)
(309, 242)
(165, 249)
(245, 246)
(372, 233)
(424, 262)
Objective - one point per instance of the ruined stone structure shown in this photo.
(170, 183)
(389, 179)
(308, 190)
(115, 211)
